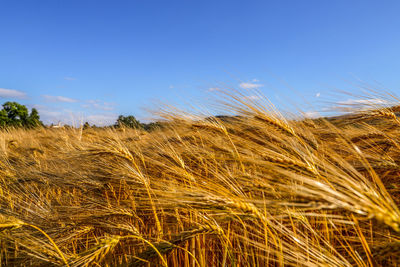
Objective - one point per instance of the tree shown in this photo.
(17, 115)
(86, 125)
(151, 126)
(34, 119)
(128, 121)
(4, 120)
(132, 122)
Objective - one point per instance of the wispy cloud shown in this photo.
(64, 99)
(311, 114)
(11, 93)
(49, 115)
(370, 102)
(250, 85)
(102, 119)
(68, 78)
(251, 97)
(350, 105)
(97, 104)
(53, 115)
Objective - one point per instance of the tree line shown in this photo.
(14, 114)
(17, 115)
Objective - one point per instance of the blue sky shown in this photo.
(93, 59)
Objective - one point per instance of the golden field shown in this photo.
(255, 189)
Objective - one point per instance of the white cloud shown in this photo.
(11, 93)
(51, 115)
(250, 85)
(251, 97)
(102, 119)
(370, 102)
(97, 113)
(212, 89)
(318, 94)
(311, 114)
(97, 104)
(69, 78)
(51, 98)
(48, 115)
(350, 105)
(255, 80)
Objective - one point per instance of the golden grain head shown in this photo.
(254, 189)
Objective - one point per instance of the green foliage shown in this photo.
(3, 118)
(17, 115)
(34, 119)
(86, 126)
(131, 122)
(152, 126)
(128, 121)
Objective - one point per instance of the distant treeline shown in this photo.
(129, 122)
(14, 114)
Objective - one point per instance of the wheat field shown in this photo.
(254, 189)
